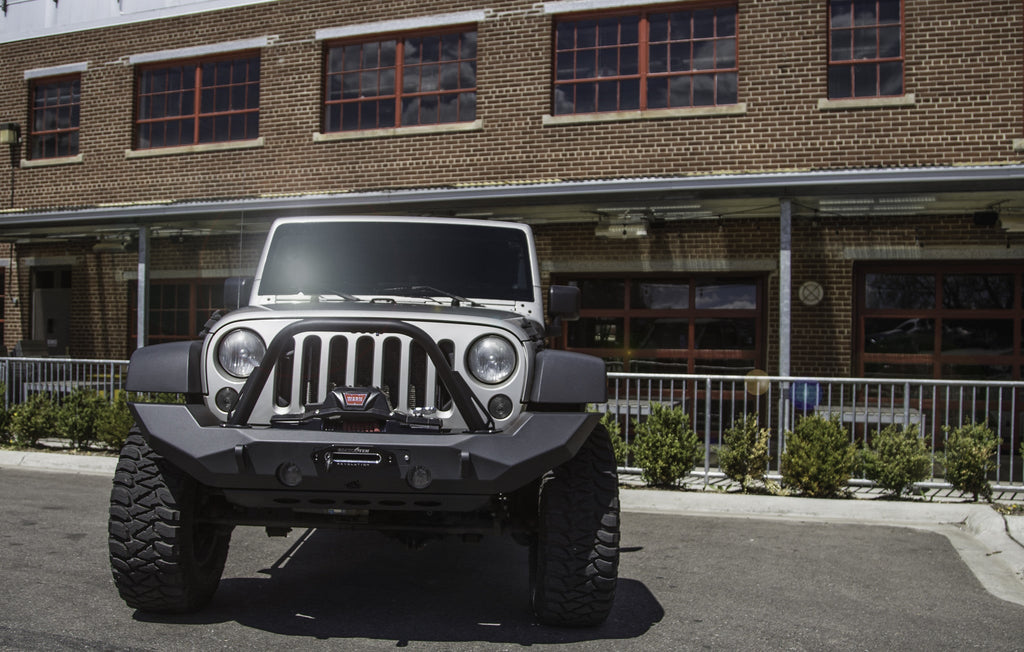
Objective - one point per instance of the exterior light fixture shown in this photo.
(10, 133)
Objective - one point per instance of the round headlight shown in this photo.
(491, 359)
(240, 352)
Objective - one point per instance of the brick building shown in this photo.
(821, 187)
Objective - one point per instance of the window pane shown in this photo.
(703, 23)
(840, 13)
(725, 334)
(889, 42)
(977, 336)
(727, 93)
(679, 91)
(659, 333)
(865, 80)
(657, 93)
(725, 295)
(899, 291)
(602, 293)
(726, 21)
(977, 291)
(865, 44)
(888, 11)
(659, 294)
(725, 53)
(596, 332)
(899, 335)
(891, 78)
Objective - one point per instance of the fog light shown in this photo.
(500, 406)
(226, 399)
(419, 477)
(289, 474)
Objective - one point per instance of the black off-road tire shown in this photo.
(163, 560)
(574, 558)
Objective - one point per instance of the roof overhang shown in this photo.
(903, 191)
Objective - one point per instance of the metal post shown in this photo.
(142, 323)
(785, 282)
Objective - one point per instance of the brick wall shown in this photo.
(964, 61)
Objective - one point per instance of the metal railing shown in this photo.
(862, 405)
(713, 403)
(58, 377)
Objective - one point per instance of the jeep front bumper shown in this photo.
(282, 467)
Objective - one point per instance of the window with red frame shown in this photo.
(55, 117)
(178, 309)
(865, 48)
(658, 59)
(403, 81)
(197, 102)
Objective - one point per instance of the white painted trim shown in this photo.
(57, 71)
(658, 264)
(402, 25)
(201, 50)
(650, 114)
(574, 6)
(127, 19)
(825, 104)
(194, 149)
(51, 162)
(49, 261)
(419, 130)
(903, 252)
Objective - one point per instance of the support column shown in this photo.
(785, 283)
(142, 323)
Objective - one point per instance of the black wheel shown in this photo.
(162, 558)
(574, 557)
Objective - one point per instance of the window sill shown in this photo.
(825, 104)
(650, 114)
(50, 162)
(194, 149)
(393, 132)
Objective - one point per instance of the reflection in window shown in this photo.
(647, 60)
(422, 79)
(198, 102)
(55, 117)
(726, 296)
(865, 48)
(953, 320)
(906, 291)
(977, 336)
(977, 291)
(666, 324)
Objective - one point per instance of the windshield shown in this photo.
(398, 258)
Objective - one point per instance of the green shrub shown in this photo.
(665, 446)
(33, 420)
(77, 417)
(896, 459)
(745, 455)
(819, 457)
(115, 421)
(619, 445)
(970, 450)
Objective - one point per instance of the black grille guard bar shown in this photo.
(452, 380)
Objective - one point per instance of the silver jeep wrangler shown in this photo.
(381, 373)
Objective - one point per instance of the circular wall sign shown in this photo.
(811, 293)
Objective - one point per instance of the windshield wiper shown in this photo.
(427, 292)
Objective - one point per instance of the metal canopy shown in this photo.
(891, 191)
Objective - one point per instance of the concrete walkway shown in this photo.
(991, 544)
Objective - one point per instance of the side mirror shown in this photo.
(564, 302)
(236, 292)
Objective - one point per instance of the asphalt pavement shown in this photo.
(989, 542)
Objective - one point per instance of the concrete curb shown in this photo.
(63, 462)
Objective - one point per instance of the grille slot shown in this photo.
(315, 363)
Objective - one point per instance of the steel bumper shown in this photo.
(267, 460)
